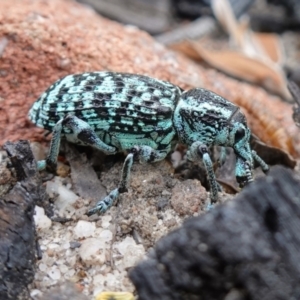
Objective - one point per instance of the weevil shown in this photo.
(145, 118)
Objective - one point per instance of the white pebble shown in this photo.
(65, 196)
(46, 282)
(53, 246)
(98, 280)
(84, 229)
(43, 267)
(35, 293)
(105, 220)
(66, 245)
(92, 251)
(43, 247)
(59, 262)
(42, 222)
(131, 252)
(63, 268)
(108, 282)
(54, 273)
(106, 235)
(71, 259)
(69, 274)
(111, 281)
(176, 158)
(133, 255)
(123, 245)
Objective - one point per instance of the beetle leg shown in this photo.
(51, 160)
(260, 161)
(145, 154)
(243, 171)
(149, 155)
(103, 205)
(197, 150)
(82, 133)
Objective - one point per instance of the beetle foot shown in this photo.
(103, 205)
(41, 165)
(209, 207)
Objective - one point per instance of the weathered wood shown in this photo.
(17, 231)
(247, 248)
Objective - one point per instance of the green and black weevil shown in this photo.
(144, 117)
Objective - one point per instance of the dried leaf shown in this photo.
(265, 49)
(268, 128)
(186, 48)
(263, 46)
(228, 187)
(250, 69)
(268, 45)
(272, 155)
(224, 13)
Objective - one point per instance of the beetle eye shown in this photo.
(239, 134)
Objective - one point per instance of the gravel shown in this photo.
(96, 252)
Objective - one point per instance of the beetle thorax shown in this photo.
(203, 116)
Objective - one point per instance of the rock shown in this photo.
(6, 179)
(35, 293)
(187, 197)
(54, 273)
(122, 246)
(130, 251)
(84, 229)
(42, 222)
(132, 256)
(105, 221)
(17, 229)
(106, 235)
(84, 178)
(75, 244)
(65, 197)
(92, 251)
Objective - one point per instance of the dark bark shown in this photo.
(247, 248)
(17, 230)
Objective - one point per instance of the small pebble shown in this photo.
(54, 273)
(65, 197)
(69, 274)
(106, 235)
(53, 246)
(92, 251)
(66, 245)
(131, 252)
(43, 267)
(42, 222)
(105, 221)
(63, 268)
(35, 293)
(84, 229)
(123, 245)
(75, 244)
